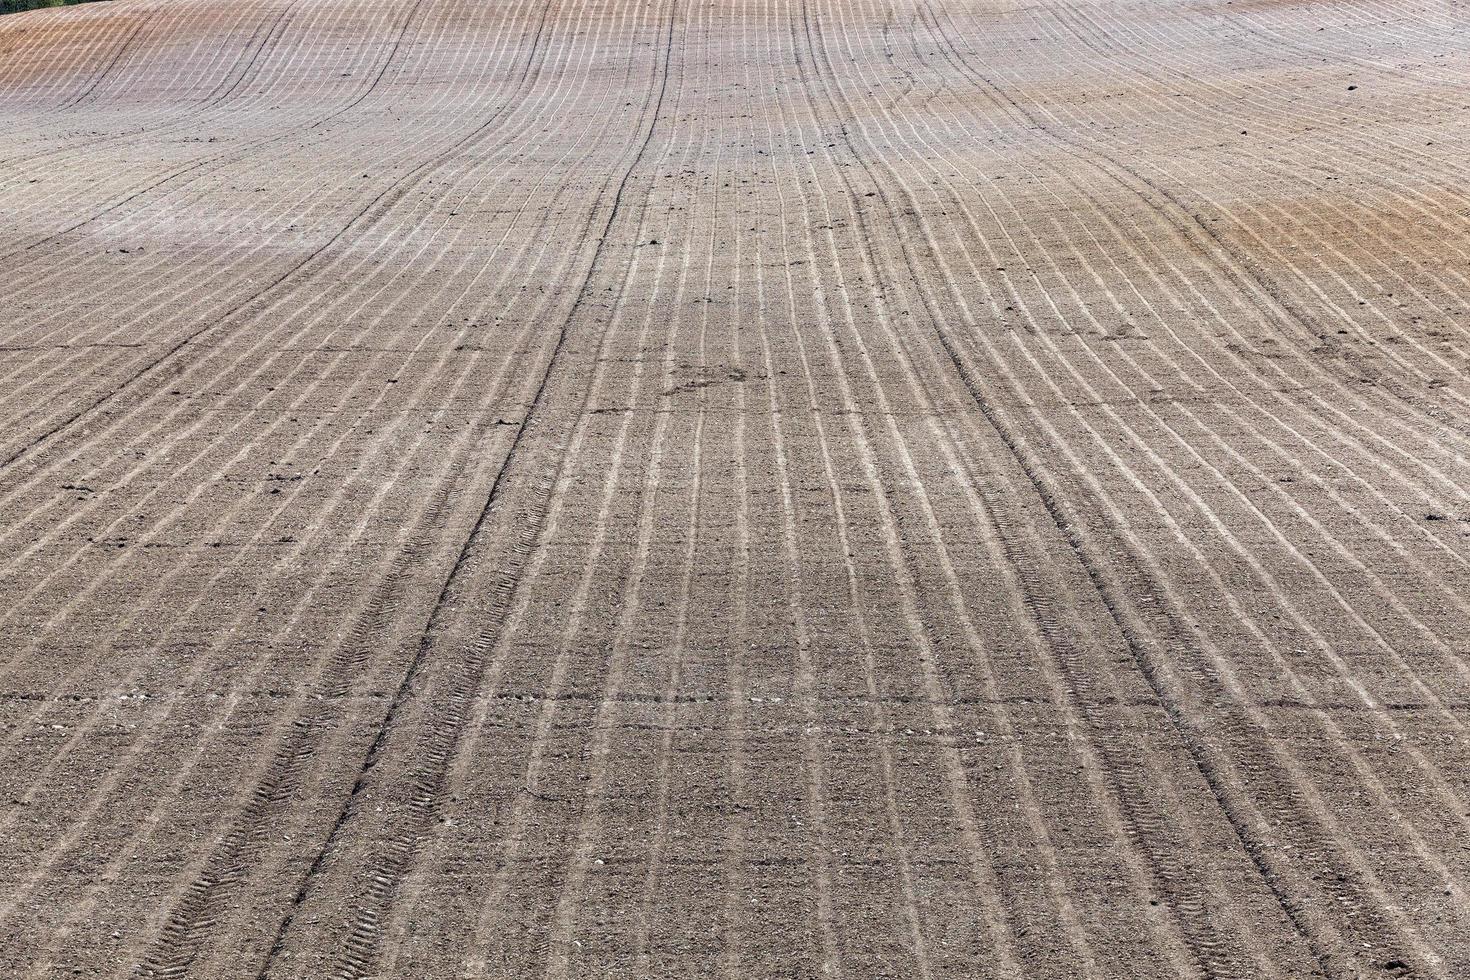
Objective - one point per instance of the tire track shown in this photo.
(1139, 588)
(1153, 672)
(122, 51)
(1189, 905)
(425, 779)
(1306, 807)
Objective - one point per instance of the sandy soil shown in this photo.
(784, 488)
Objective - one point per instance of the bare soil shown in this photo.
(763, 488)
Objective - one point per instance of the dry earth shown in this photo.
(784, 488)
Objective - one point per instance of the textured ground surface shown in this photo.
(788, 488)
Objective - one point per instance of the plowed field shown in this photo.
(752, 488)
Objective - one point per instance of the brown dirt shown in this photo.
(798, 488)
